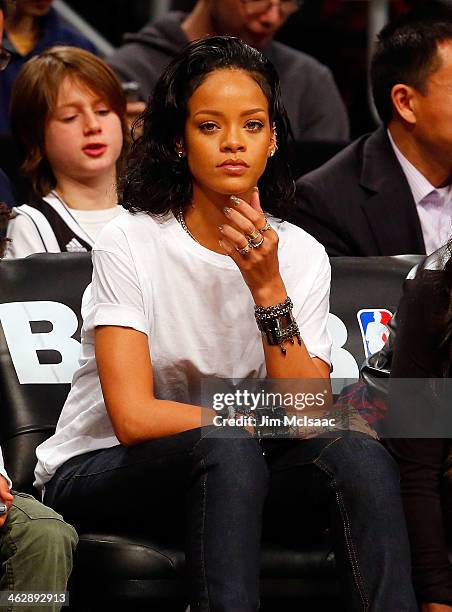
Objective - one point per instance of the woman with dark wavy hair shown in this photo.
(159, 179)
(423, 358)
(192, 286)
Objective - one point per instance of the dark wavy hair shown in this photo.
(156, 180)
(7, 7)
(5, 216)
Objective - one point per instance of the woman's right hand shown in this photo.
(434, 607)
(259, 266)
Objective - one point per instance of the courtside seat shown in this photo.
(39, 340)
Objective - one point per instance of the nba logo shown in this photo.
(374, 328)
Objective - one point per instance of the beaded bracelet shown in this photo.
(263, 313)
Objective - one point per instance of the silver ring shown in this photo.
(266, 227)
(246, 249)
(257, 245)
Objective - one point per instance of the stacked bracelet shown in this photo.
(263, 313)
(277, 324)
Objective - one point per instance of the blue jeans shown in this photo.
(219, 493)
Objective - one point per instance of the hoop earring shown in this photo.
(180, 149)
(273, 151)
(275, 138)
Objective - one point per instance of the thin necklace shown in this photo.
(180, 218)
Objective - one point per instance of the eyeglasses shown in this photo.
(257, 7)
(5, 56)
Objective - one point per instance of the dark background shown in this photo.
(333, 31)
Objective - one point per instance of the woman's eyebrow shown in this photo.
(251, 111)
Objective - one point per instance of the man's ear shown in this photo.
(403, 99)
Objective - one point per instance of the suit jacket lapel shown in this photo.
(390, 207)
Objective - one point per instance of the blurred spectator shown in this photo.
(6, 191)
(122, 16)
(420, 400)
(336, 33)
(5, 213)
(310, 95)
(68, 115)
(389, 192)
(33, 27)
(36, 545)
(6, 195)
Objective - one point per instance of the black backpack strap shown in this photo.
(68, 233)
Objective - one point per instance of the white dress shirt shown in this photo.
(433, 204)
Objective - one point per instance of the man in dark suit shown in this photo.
(388, 193)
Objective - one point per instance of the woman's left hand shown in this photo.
(246, 225)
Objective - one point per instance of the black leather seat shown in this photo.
(39, 314)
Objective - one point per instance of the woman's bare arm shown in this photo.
(125, 372)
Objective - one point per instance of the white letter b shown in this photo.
(23, 345)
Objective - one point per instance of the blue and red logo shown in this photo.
(373, 323)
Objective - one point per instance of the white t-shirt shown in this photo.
(26, 233)
(196, 310)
